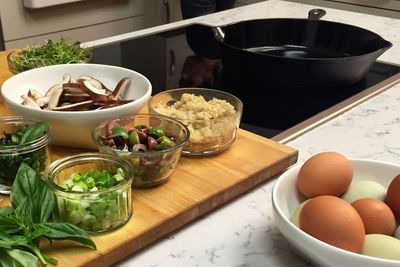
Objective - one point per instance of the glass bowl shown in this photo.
(16, 68)
(212, 117)
(35, 153)
(152, 167)
(95, 211)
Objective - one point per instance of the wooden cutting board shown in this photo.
(197, 186)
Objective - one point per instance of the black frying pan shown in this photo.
(299, 53)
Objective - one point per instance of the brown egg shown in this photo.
(378, 218)
(326, 173)
(393, 197)
(334, 221)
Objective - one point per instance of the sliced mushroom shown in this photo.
(121, 87)
(55, 98)
(85, 93)
(66, 78)
(35, 94)
(97, 84)
(75, 106)
(43, 101)
(53, 88)
(30, 101)
(92, 90)
(73, 88)
(85, 78)
(74, 98)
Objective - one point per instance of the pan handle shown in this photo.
(316, 14)
(313, 14)
(219, 33)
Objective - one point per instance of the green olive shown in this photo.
(119, 131)
(134, 138)
(164, 142)
(156, 132)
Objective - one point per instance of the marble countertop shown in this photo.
(243, 232)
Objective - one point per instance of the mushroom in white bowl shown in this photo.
(74, 98)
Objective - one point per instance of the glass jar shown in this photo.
(94, 211)
(35, 153)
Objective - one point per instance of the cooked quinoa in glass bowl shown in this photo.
(212, 117)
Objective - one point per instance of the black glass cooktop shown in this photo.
(267, 111)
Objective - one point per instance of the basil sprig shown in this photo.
(26, 221)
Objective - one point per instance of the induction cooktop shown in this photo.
(267, 111)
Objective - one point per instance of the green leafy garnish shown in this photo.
(36, 158)
(24, 134)
(51, 53)
(27, 221)
(93, 180)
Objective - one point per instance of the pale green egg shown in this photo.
(364, 189)
(381, 246)
(295, 216)
(397, 232)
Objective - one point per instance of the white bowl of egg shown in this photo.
(337, 211)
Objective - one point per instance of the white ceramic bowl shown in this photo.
(286, 198)
(73, 128)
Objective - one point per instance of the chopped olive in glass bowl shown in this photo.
(22, 139)
(92, 191)
(152, 143)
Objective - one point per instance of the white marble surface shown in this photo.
(243, 232)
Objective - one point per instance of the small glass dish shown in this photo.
(93, 211)
(212, 117)
(151, 167)
(35, 153)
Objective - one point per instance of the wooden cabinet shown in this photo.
(161, 12)
(82, 20)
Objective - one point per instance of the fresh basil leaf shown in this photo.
(6, 210)
(49, 259)
(9, 224)
(33, 132)
(17, 258)
(28, 185)
(24, 213)
(9, 241)
(62, 231)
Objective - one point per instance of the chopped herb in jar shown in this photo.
(14, 149)
(93, 180)
(94, 210)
